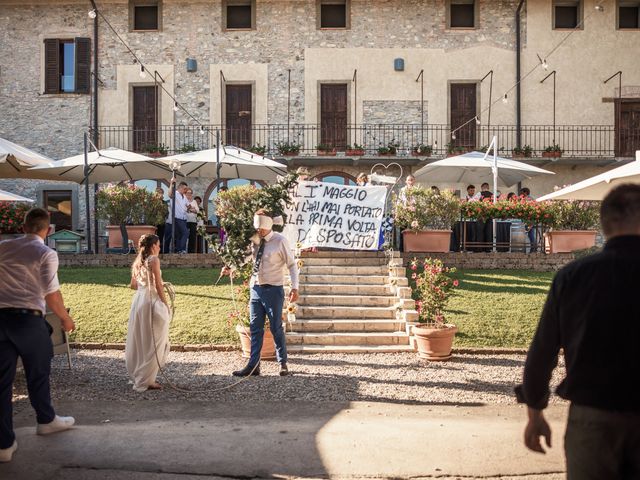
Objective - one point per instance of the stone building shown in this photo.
(326, 76)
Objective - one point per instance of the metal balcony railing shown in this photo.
(578, 141)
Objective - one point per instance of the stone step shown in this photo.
(345, 279)
(313, 312)
(345, 289)
(355, 338)
(344, 270)
(347, 300)
(329, 325)
(345, 261)
(304, 348)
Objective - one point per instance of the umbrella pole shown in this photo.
(173, 212)
(494, 169)
(86, 191)
(218, 159)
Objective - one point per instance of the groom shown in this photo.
(270, 256)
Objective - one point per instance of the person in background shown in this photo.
(303, 174)
(222, 235)
(28, 285)
(160, 228)
(362, 180)
(200, 223)
(192, 219)
(525, 193)
(485, 193)
(409, 182)
(182, 233)
(471, 194)
(435, 190)
(591, 314)
(511, 196)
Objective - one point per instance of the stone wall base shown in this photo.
(191, 260)
(498, 261)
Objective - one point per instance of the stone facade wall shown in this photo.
(394, 112)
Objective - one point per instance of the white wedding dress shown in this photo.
(140, 354)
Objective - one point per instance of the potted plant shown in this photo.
(157, 150)
(453, 149)
(12, 218)
(259, 149)
(422, 150)
(355, 150)
(427, 218)
(187, 147)
(288, 149)
(431, 289)
(552, 151)
(390, 149)
(325, 150)
(131, 211)
(522, 152)
(574, 225)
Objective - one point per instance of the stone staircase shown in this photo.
(348, 304)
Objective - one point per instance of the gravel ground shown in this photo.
(464, 380)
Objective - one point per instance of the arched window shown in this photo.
(212, 193)
(151, 186)
(340, 178)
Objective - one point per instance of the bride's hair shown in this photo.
(144, 249)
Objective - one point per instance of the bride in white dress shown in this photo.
(149, 305)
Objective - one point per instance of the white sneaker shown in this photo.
(7, 453)
(58, 425)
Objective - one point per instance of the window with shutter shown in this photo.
(67, 65)
(333, 14)
(462, 13)
(628, 15)
(567, 14)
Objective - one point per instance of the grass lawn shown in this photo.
(491, 308)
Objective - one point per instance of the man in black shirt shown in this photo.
(593, 314)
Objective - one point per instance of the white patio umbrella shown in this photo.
(596, 188)
(12, 197)
(476, 168)
(15, 161)
(107, 165)
(234, 162)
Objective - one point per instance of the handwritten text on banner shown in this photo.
(338, 216)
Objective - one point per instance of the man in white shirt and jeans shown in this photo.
(28, 283)
(182, 232)
(271, 256)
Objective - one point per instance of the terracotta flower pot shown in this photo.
(434, 344)
(564, 241)
(134, 232)
(553, 154)
(268, 345)
(427, 240)
(327, 153)
(354, 153)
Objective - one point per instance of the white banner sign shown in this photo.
(338, 216)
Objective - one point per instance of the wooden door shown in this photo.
(463, 111)
(627, 128)
(333, 115)
(145, 118)
(238, 115)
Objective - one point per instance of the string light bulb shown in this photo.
(201, 130)
(505, 99)
(599, 8)
(477, 120)
(92, 13)
(453, 136)
(175, 106)
(143, 74)
(545, 65)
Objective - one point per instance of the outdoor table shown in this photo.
(478, 236)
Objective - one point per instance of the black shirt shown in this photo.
(593, 313)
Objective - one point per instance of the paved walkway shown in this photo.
(194, 439)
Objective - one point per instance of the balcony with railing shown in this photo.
(575, 141)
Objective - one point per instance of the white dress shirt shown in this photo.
(276, 256)
(192, 217)
(181, 207)
(28, 273)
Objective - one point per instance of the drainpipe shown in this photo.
(518, 94)
(95, 116)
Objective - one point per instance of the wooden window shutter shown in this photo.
(83, 65)
(51, 65)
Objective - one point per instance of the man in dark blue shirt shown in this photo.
(593, 314)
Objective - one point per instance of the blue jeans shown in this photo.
(266, 302)
(26, 336)
(182, 235)
(531, 233)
